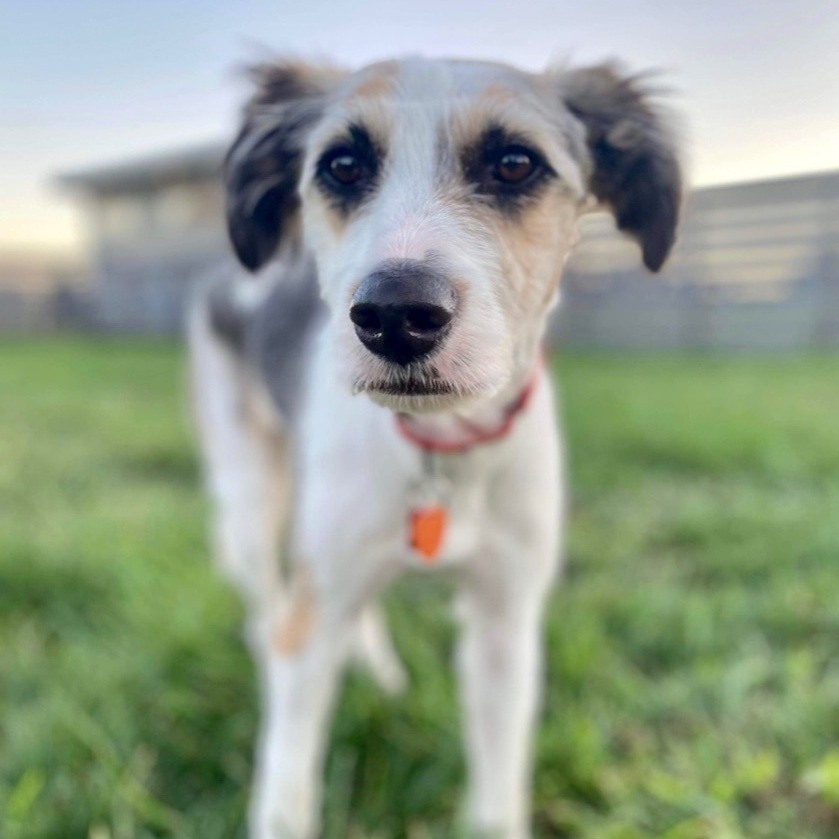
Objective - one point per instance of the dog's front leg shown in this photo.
(501, 646)
(500, 663)
(304, 653)
(300, 677)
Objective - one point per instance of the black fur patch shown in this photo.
(262, 168)
(262, 171)
(276, 337)
(635, 168)
(227, 320)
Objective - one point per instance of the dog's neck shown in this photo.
(483, 421)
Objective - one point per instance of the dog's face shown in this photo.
(440, 201)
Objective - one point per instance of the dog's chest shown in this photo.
(361, 482)
(445, 510)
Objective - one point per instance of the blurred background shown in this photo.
(693, 679)
(115, 123)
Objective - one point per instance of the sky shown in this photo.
(85, 83)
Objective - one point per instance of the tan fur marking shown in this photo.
(299, 620)
(497, 94)
(378, 85)
(531, 242)
(327, 215)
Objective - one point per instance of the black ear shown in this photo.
(262, 168)
(635, 169)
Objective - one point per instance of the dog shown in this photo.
(369, 386)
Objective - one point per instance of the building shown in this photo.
(156, 224)
(756, 266)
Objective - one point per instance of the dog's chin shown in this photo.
(427, 397)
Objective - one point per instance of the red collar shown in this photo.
(474, 435)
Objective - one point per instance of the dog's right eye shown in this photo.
(343, 167)
(347, 171)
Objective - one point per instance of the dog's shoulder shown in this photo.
(270, 323)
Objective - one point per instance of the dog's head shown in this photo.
(440, 200)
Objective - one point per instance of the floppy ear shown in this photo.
(635, 169)
(262, 168)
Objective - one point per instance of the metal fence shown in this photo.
(756, 268)
(626, 313)
(639, 313)
(57, 309)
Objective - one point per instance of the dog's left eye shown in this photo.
(514, 166)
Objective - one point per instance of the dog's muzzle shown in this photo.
(403, 310)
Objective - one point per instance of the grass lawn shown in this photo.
(693, 679)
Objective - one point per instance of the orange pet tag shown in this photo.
(427, 529)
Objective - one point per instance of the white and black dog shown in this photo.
(374, 400)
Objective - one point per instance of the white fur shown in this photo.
(356, 473)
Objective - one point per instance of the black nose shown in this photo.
(402, 311)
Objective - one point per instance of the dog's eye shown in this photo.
(347, 171)
(344, 167)
(514, 166)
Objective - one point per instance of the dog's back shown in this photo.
(248, 346)
(271, 328)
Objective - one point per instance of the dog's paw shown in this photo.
(272, 825)
(274, 816)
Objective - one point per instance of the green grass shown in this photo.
(693, 678)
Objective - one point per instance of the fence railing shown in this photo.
(644, 313)
(625, 313)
